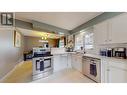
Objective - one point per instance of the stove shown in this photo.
(42, 63)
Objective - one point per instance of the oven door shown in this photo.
(48, 63)
(95, 70)
(40, 64)
(92, 68)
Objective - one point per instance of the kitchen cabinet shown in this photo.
(104, 71)
(116, 75)
(114, 71)
(113, 30)
(60, 62)
(86, 66)
(101, 33)
(69, 60)
(77, 62)
(117, 71)
(118, 29)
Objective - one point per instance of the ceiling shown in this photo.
(65, 20)
(34, 33)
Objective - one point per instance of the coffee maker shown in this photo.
(119, 52)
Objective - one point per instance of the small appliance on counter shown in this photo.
(42, 63)
(119, 52)
(102, 52)
(109, 52)
(106, 52)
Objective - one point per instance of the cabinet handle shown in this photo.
(110, 40)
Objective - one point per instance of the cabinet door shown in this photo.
(117, 75)
(77, 62)
(73, 61)
(101, 32)
(104, 71)
(69, 61)
(60, 62)
(64, 61)
(118, 29)
(86, 66)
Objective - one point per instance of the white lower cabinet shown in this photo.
(116, 75)
(69, 60)
(59, 62)
(77, 62)
(114, 71)
(104, 65)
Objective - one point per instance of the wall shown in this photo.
(30, 42)
(9, 55)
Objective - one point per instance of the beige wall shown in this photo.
(30, 42)
(9, 55)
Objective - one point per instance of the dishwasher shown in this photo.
(92, 68)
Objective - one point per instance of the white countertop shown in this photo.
(63, 53)
(59, 51)
(106, 58)
(93, 56)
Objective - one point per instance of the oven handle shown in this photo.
(41, 65)
(47, 59)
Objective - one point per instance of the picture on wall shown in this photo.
(17, 39)
(7, 19)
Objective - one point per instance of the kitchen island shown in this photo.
(61, 59)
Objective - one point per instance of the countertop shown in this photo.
(63, 53)
(106, 58)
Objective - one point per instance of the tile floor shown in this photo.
(65, 76)
(23, 74)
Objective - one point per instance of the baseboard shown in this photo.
(19, 63)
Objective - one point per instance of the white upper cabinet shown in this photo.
(101, 33)
(113, 30)
(118, 29)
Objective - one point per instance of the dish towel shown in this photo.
(93, 70)
(41, 65)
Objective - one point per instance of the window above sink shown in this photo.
(84, 39)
